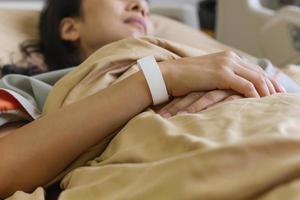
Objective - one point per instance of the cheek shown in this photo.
(102, 34)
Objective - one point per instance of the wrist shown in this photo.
(166, 73)
(141, 81)
(155, 79)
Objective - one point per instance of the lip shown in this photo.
(139, 21)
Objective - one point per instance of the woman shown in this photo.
(73, 30)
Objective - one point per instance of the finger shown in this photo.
(258, 80)
(251, 66)
(244, 84)
(241, 85)
(278, 87)
(183, 103)
(233, 97)
(209, 99)
(246, 63)
(163, 111)
(270, 86)
(258, 69)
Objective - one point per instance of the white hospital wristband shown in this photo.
(154, 79)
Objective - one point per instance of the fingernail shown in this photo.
(283, 89)
(166, 115)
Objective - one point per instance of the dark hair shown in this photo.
(57, 53)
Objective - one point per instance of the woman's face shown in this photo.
(106, 21)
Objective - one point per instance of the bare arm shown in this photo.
(7, 128)
(38, 151)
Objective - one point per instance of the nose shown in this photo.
(140, 6)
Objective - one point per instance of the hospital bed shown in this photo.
(250, 26)
(184, 13)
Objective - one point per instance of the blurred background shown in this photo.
(262, 28)
(206, 9)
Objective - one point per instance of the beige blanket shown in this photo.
(244, 149)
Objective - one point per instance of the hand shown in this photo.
(197, 101)
(224, 70)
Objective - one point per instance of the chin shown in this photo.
(132, 34)
(135, 34)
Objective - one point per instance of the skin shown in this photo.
(223, 75)
(106, 21)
